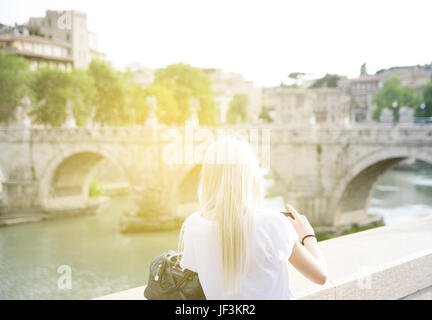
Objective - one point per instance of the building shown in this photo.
(363, 89)
(288, 104)
(299, 106)
(226, 85)
(60, 38)
(411, 76)
(39, 51)
(329, 105)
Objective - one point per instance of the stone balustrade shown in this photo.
(393, 262)
(322, 134)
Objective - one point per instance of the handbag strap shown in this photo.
(186, 275)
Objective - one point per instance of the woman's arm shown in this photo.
(307, 259)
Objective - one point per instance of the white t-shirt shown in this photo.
(267, 276)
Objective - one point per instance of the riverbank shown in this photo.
(326, 233)
(412, 166)
(14, 218)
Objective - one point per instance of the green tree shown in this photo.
(167, 110)
(137, 104)
(83, 94)
(295, 78)
(265, 114)
(111, 106)
(185, 81)
(296, 75)
(328, 81)
(95, 189)
(14, 75)
(52, 88)
(391, 91)
(134, 109)
(237, 109)
(427, 98)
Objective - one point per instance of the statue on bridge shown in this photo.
(195, 106)
(90, 122)
(406, 115)
(386, 116)
(22, 118)
(70, 120)
(152, 120)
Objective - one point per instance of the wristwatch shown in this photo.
(307, 236)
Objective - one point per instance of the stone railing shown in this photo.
(279, 134)
(392, 262)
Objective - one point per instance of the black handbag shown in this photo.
(168, 281)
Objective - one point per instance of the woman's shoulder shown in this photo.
(192, 219)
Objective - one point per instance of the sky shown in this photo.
(262, 40)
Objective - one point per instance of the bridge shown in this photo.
(327, 173)
(386, 263)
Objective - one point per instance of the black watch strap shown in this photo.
(307, 236)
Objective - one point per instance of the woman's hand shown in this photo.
(300, 222)
(307, 259)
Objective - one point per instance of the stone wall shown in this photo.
(324, 171)
(384, 263)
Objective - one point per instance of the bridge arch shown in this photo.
(352, 193)
(68, 176)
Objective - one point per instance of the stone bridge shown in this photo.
(327, 173)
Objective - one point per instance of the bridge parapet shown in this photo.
(78, 134)
(384, 263)
(354, 134)
(278, 134)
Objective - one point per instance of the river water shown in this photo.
(103, 261)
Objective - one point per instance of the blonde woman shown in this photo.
(238, 249)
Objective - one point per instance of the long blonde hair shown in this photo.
(231, 185)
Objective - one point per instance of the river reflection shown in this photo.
(402, 196)
(104, 261)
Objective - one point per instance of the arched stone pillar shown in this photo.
(352, 192)
(64, 182)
